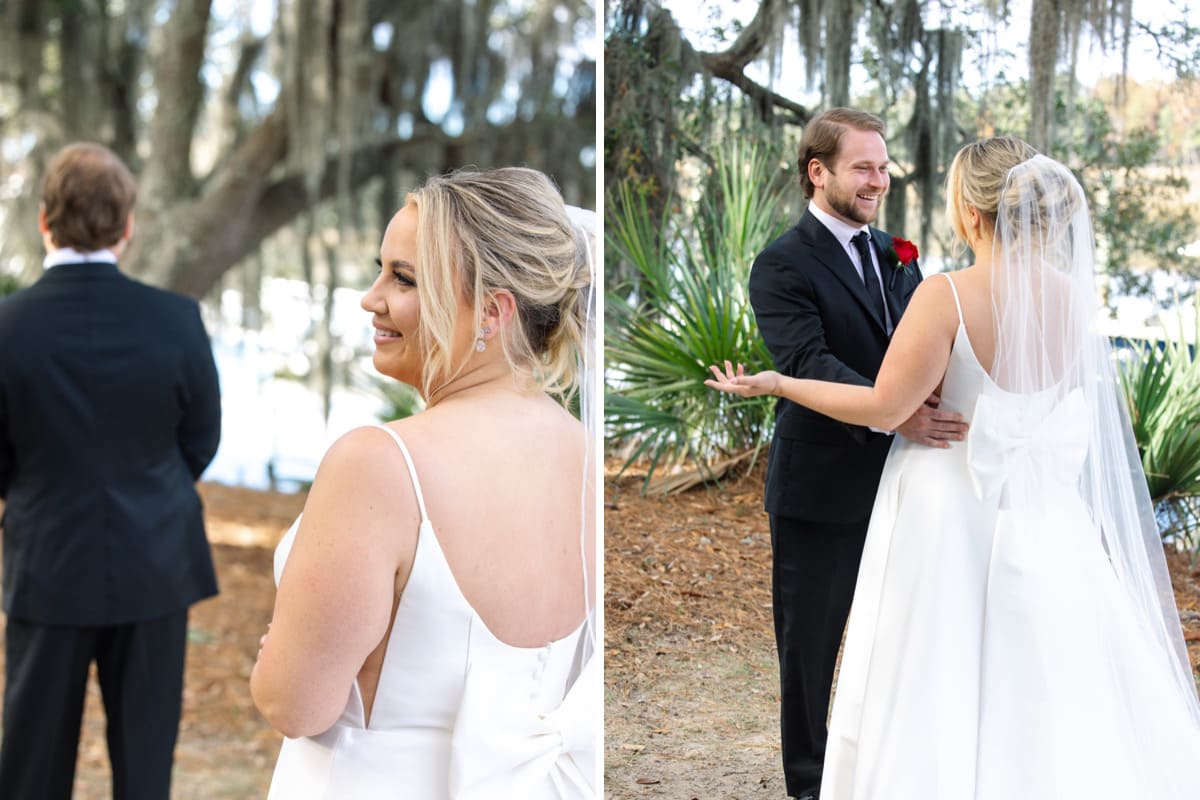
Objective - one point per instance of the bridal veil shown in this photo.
(1071, 406)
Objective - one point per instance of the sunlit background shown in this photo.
(272, 141)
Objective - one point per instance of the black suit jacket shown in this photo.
(109, 412)
(816, 319)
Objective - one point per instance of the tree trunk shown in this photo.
(252, 281)
(24, 24)
(232, 123)
(840, 28)
(121, 79)
(1044, 26)
(82, 47)
(167, 176)
(325, 366)
(190, 243)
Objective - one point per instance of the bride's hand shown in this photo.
(739, 383)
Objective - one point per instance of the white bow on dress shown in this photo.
(504, 748)
(1030, 438)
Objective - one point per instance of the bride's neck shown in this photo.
(982, 248)
(485, 379)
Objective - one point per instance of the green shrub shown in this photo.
(687, 308)
(1162, 387)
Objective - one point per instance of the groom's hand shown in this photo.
(933, 427)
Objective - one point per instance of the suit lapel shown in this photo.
(829, 253)
(883, 243)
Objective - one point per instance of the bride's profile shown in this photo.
(433, 628)
(1013, 632)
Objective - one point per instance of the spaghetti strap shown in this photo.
(412, 470)
(957, 305)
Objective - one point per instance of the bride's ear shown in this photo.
(499, 309)
(974, 224)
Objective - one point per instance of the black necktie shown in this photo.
(862, 243)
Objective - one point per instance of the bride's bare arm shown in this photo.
(912, 368)
(336, 594)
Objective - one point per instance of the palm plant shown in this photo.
(1162, 387)
(689, 308)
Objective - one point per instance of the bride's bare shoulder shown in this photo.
(934, 297)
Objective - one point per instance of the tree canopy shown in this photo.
(909, 61)
(238, 116)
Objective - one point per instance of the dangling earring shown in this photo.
(480, 344)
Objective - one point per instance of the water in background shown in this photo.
(272, 430)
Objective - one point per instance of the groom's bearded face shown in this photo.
(855, 186)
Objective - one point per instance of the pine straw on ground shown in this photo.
(691, 685)
(687, 601)
(691, 682)
(692, 567)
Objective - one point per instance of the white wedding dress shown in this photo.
(458, 714)
(991, 653)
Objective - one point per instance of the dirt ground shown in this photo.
(691, 705)
(225, 750)
(691, 679)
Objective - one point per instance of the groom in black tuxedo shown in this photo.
(827, 295)
(109, 412)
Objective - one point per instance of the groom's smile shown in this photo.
(868, 201)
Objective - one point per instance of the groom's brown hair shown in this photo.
(822, 138)
(87, 196)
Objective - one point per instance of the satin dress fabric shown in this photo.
(991, 652)
(458, 714)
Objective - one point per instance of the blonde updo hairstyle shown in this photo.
(503, 229)
(1040, 201)
(977, 178)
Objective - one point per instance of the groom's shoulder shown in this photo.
(787, 245)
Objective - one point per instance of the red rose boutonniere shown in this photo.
(902, 254)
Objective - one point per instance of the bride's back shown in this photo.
(503, 478)
(1057, 341)
(974, 292)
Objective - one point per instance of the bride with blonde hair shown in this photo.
(433, 629)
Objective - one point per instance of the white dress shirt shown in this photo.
(69, 255)
(844, 233)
